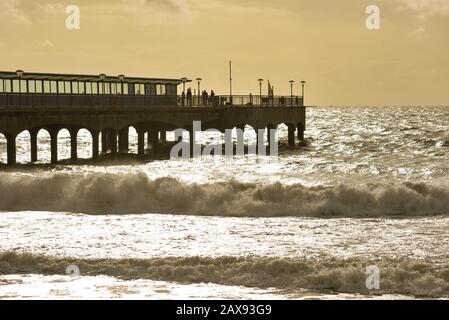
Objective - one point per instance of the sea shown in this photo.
(359, 212)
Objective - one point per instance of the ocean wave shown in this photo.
(133, 193)
(397, 276)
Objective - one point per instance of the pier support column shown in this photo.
(300, 132)
(33, 142)
(271, 140)
(240, 143)
(104, 141)
(11, 149)
(191, 142)
(54, 145)
(153, 138)
(74, 144)
(291, 136)
(112, 137)
(141, 143)
(95, 144)
(123, 140)
(260, 144)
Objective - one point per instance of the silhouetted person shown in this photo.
(183, 99)
(212, 98)
(205, 98)
(189, 97)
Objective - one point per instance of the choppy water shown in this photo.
(370, 189)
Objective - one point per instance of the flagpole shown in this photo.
(230, 82)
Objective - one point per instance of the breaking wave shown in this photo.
(397, 276)
(106, 193)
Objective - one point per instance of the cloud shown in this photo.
(11, 10)
(28, 12)
(47, 44)
(162, 10)
(426, 8)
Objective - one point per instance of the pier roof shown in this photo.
(88, 78)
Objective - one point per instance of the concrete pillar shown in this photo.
(123, 140)
(191, 142)
(112, 137)
(153, 137)
(163, 135)
(54, 145)
(11, 150)
(300, 132)
(261, 149)
(141, 143)
(291, 136)
(95, 144)
(269, 139)
(104, 141)
(74, 144)
(240, 148)
(33, 142)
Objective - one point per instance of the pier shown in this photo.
(108, 106)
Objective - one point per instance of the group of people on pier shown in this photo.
(206, 99)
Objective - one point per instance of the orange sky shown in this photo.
(323, 42)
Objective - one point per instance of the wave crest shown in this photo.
(106, 193)
(397, 276)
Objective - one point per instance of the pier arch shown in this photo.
(84, 143)
(41, 152)
(64, 145)
(23, 147)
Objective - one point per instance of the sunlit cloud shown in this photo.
(426, 8)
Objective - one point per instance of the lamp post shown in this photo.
(303, 83)
(102, 77)
(19, 76)
(291, 91)
(184, 80)
(198, 94)
(121, 79)
(260, 90)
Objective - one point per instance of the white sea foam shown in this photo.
(107, 193)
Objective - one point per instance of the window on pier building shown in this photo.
(54, 86)
(39, 88)
(107, 88)
(15, 86)
(88, 88)
(161, 89)
(81, 88)
(31, 86)
(1, 86)
(61, 87)
(139, 89)
(7, 85)
(23, 86)
(125, 88)
(67, 87)
(118, 88)
(74, 87)
(94, 87)
(46, 86)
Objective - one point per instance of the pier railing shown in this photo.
(17, 100)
